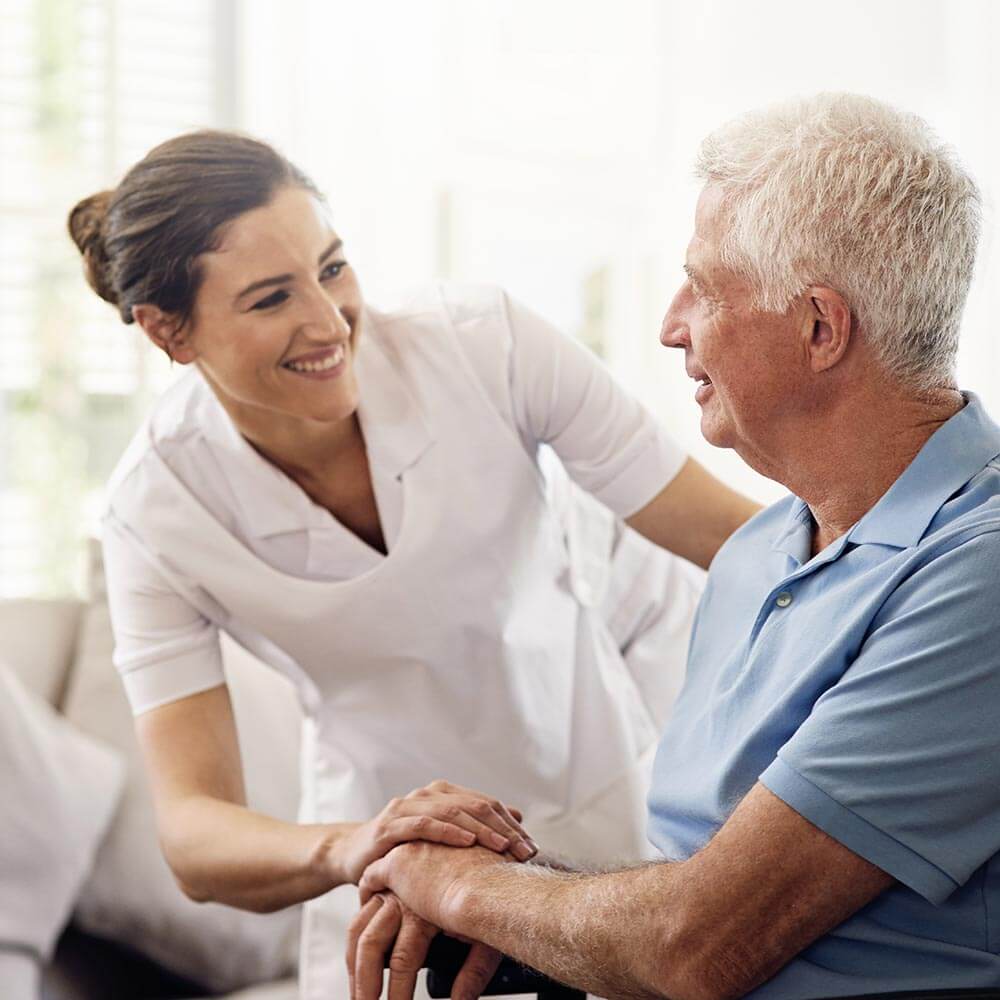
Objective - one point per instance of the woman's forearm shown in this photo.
(226, 853)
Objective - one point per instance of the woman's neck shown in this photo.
(307, 451)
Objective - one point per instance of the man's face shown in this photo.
(747, 362)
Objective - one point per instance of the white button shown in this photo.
(783, 599)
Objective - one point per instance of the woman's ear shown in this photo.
(165, 330)
(828, 327)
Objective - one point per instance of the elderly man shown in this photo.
(828, 793)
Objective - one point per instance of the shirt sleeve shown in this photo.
(898, 760)
(165, 649)
(563, 396)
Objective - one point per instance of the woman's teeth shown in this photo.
(331, 361)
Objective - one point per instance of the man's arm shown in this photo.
(712, 927)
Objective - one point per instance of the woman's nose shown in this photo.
(325, 313)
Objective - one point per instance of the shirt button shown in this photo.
(783, 599)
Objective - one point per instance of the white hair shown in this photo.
(844, 191)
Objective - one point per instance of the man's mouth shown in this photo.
(317, 361)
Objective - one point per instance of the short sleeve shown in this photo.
(563, 396)
(898, 760)
(165, 649)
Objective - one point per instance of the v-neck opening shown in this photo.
(295, 579)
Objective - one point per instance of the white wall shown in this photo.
(547, 144)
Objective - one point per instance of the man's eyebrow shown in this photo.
(694, 275)
(280, 279)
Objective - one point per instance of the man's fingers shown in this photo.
(476, 972)
(374, 879)
(408, 954)
(361, 920)
(373, 943)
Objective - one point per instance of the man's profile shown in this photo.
(826, 797)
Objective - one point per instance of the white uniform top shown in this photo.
(476, 649)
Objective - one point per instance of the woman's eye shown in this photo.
(274, 299)
(332, 269)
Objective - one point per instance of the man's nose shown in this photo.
(675, 332)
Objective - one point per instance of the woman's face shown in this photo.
(277, 315)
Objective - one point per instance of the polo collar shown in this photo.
(952, 455)
(395, 430)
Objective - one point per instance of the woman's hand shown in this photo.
(441, 813)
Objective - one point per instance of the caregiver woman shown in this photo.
(355, 496)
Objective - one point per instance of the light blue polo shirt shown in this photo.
(862, 687)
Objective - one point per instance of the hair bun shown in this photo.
(86, 227)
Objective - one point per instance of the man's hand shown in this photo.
(384, 923)
(428, 878)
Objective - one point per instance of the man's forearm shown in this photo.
(606, 933)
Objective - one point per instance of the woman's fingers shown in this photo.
(459, 824)
(476, 972)
(407, 828)
(487, 817)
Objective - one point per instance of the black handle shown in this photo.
(445, 958)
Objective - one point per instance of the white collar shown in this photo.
(395, 431)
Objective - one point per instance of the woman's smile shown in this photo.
(330, 362)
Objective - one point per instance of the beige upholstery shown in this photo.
(62, 650)
(38, 642)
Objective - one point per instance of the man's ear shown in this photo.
(827, 327)
(166, 331)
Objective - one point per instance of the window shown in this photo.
(86, 88)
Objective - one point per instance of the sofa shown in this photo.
(88, 907)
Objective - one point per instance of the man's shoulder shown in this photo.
(973, 511)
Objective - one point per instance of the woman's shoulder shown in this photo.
(182, 412)
(443, 306)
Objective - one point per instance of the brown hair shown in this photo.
(140, 242)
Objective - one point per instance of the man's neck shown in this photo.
(847, 457)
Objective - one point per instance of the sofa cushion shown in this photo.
(19, 974)
(59, 788)
(131, 895)
(38, 641)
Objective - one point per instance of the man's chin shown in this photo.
(715, 432)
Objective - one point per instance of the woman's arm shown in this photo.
(221, 851)
(693, 514)
(611, 445)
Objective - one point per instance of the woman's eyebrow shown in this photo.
(280, 279)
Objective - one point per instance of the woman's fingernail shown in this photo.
(522, 851)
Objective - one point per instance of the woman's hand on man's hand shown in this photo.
(441, 813)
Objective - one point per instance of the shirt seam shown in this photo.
(860, 819)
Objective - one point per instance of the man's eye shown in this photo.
(274, 299)
(332, 269)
